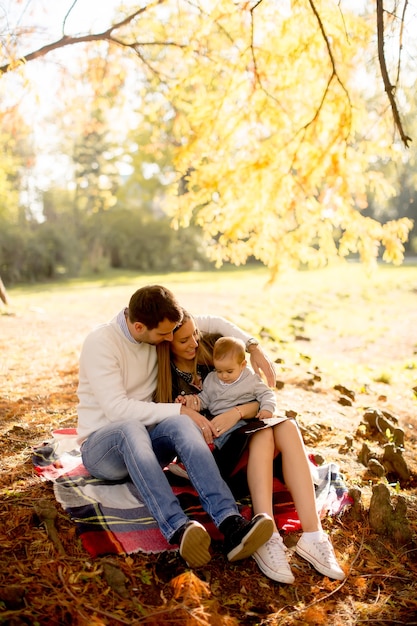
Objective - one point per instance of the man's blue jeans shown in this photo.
(128, 448)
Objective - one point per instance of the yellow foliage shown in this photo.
(269, 131)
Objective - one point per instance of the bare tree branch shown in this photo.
(69, 41)
(390, 89)
(66, 15)
(400, 43)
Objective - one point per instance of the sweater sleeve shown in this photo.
(214, 324)
(204, 394)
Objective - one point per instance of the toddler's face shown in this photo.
(228, 370)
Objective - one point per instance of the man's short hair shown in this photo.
(152, 304)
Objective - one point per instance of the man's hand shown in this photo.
(262, 363)
(206, 427)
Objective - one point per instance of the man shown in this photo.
(123, 433)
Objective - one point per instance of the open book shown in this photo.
(254, 424)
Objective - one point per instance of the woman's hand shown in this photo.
(206, 427)
(261, 362)
(192, 401)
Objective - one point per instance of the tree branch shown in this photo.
(254, 61)
(66, 16)
(390, 89)
(329, 49)
(66, 40)
(334, 73)
(400, 43)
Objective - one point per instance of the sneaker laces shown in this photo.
(276, 549)
(326, 551)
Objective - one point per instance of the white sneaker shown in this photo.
(321, 555)
(272, 560)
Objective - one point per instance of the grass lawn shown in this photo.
(362, 325)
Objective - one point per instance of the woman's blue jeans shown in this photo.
(128, 448)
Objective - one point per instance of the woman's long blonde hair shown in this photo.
(204, 356)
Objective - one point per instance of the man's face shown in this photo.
(163, 332)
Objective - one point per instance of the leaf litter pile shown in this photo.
(369, 429)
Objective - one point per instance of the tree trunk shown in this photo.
(3, 294)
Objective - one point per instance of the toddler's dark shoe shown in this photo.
(242, 537)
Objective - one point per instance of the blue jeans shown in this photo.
(124, 449)
(221, 440)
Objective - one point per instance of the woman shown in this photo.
(182, 366)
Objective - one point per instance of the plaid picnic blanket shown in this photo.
(111, 518)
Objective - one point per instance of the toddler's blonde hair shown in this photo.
(229, 346)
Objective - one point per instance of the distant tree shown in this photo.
(16, 161)
(401, 174)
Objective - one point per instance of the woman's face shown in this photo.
(185, 342)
